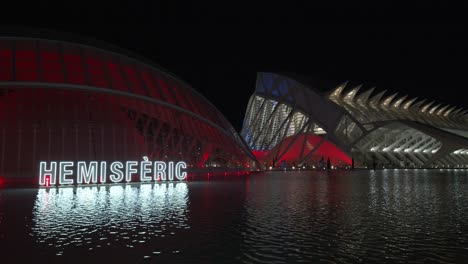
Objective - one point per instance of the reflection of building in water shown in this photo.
(100, 216)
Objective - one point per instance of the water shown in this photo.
(390, 216)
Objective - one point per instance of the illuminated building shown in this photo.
(288, 120)
(68, 101)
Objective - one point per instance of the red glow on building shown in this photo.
(293, 153)
(261, 155)
(78, 102)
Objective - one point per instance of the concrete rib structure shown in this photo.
(375, 128)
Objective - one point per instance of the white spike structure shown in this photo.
(297, 126)
(417, 107)
(433, 109)
(349, 97)
(335, 94)
(374, 101)
(386, 102)
(442, 110)
(461, 114)
(425, 107)
(364, 96)
(456, 112)
(407, 104)
(449, 111)
(399, 101)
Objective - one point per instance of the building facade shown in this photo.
(65, 101)
(290, 122)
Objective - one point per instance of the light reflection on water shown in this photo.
(388, 216)
(100, 216)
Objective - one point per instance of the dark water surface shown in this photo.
(390, 216)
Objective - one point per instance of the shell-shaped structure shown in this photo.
(63, 100)
(374, 128)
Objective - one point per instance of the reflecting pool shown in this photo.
(388, 216)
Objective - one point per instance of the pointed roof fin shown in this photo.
(408, 103)
(374, 101)
(349, 97)
(434, 108)
(399, 101)
(388, 100)
(424, 109)
(441, 110)
(335, 94)
(456, 112)
(364, 96)
(417, 106)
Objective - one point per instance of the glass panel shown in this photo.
(118, 82)
(162, 84)
(6, 61)
(134, 80)
(97, 74)
(74, 66)
(150, 85)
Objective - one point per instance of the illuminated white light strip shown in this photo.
(64, 172)
(178, 174)
(43, 171)
(87, 174)
(145, 170)
(159, 170)
(103, 171)
(117, 175)
(129, 170)
(170, 171)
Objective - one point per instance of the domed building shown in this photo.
(81, 100)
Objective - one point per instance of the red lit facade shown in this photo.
(293, 148)
(66, 101)
(290, 124)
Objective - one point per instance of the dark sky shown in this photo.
(221, 61)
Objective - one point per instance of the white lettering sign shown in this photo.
(96, 172)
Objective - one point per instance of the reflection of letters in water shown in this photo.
(102, 215)
(94, 171)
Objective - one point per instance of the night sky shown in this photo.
(428, 61)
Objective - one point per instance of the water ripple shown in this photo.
(401, 216)
(107, 215)
(337, 218)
